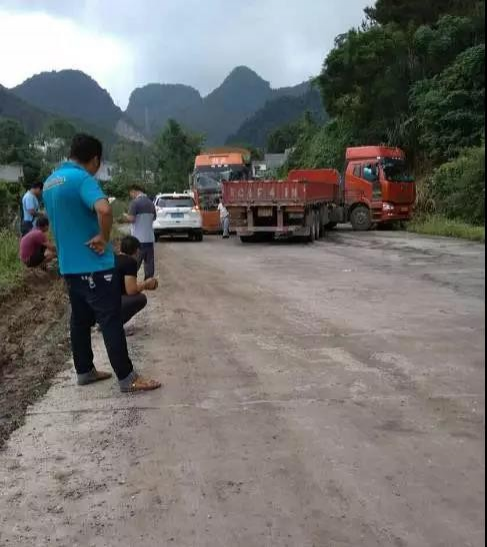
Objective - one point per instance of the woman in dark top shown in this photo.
(133, 297)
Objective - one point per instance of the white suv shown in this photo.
(177, 214)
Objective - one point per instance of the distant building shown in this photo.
(11, 173)
(106, 171)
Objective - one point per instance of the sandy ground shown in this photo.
(315, 396)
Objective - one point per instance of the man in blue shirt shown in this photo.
(30, 207)
(81, 221)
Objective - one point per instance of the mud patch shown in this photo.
(33, 345)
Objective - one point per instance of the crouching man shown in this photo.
(35, 248)
(133, 297)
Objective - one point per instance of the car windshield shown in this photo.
(166, 203)
(396, 171)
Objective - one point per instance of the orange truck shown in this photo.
(375, 188)
(211, 168)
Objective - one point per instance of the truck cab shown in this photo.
(376, 186)
(211, 168)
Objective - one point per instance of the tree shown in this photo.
(419, 12)
(175, 151)
(133, 163)
(59, 128)
(449, 108)
(13, 142)
(15, 148)
(56, 137)
(365, 78)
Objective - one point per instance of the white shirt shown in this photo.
(223, 211)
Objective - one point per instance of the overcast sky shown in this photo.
(124, 44)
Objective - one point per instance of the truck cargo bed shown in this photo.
(299, 188)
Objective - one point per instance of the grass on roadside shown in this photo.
(10, 266)
(440, 226)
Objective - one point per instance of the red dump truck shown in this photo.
(375, 188)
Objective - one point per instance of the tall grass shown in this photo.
(10, 266)
(436, 225)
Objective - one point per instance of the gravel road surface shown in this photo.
(323, 395)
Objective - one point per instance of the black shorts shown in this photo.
(37, 258)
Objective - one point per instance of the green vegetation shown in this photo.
(134, 163)
(457, 188)
(15, 147)
(10, 266)
(10, 196)
(275, 116)
(411, 76)
(441, 226)
(175, 150)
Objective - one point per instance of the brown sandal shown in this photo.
(141, 384)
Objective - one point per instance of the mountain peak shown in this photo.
(70, 93)
(243, 75)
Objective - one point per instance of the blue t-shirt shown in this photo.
(29, 202)
(70, 194)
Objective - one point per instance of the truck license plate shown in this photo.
(177, 215)
(264, 211)
(404, 209)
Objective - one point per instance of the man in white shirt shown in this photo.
(224, 219)
(30, 207)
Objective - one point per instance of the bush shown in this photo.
(10, 266)
(10, 200)
(458, 187)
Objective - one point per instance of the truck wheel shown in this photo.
(198, 236)
(247, 239)
(319, 228)
(312, 233)
(361, 219)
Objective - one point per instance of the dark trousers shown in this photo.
(95, 298)
(131, 305)
(146, 255)
(26, 227)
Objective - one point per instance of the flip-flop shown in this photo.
(141, 384)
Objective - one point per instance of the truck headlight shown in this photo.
(387, 207)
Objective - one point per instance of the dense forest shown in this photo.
(413, 76)
(255, 131)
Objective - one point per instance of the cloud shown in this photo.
(191, 41)
(35, 42)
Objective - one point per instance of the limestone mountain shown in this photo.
(216, 116)
(283, 110)
(74, 94)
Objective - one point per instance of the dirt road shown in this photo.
(315, 396)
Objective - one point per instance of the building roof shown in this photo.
(11, 173)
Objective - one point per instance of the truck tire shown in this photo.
(247, 239)
(361, 218)
(312, 233)
(319, 227)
